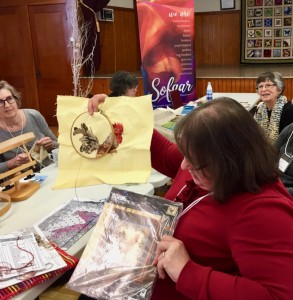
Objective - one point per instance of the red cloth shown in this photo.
(242, 249)
(13, 290)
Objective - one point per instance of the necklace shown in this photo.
(192, 204)
(9, 129)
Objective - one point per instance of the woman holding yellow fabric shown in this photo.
(227, 233)
(273, 112)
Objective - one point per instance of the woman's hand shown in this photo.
(17, 161)
(94, 102)
(46, 142)
(171, 257)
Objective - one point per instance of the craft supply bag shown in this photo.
(117, 262)
(82, 136)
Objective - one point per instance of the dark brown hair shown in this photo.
(17, 96)
(223, 139)
(121, 82)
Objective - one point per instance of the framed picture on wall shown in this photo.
(267, 35)
(227, 4)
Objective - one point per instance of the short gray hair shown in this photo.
(274, 77)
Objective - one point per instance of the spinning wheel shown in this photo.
(19, 191)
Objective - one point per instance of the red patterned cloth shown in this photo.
(18, 288)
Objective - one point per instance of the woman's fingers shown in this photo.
(171, 257)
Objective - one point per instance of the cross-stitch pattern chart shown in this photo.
(267, 31)
(70, 222)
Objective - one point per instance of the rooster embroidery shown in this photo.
(90, 143)
(112, 141)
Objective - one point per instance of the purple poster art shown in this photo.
(166, 33)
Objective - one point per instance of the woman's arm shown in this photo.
(165, 156)
(95, 101)
(17, 161)
(47, 139)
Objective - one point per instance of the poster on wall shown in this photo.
(166, 34)
(267, 31)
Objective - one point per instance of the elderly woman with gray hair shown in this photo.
(273, 112)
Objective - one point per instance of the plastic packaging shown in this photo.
(209, 94)
(117, 261)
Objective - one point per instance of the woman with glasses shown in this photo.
(233, 239)
(15, 121)
(273, 112)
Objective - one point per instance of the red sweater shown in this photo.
(242, 249)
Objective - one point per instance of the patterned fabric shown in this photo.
(18, 288)
(270, 125)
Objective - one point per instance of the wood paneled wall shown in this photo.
(217, 38)
(101, 85)
(120, 43)
(225, 85)
(217, 43)
(220, 85)
(18, 49)
(236, 85)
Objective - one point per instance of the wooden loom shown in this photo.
(20, 190)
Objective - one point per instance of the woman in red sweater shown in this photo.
(234, 240)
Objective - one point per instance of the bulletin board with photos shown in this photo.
(266, 31)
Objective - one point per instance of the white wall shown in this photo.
(121, 3)
(211, 5)
(199, 5)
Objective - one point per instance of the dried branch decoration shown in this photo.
(78, 41)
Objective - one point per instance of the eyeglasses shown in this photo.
(266, 86)
(9, 99)
(201, 167)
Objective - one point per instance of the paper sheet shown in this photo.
(46, 258)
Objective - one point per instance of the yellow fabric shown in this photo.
(38, 153)
(130, 163)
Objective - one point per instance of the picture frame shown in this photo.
(227, 4)
(266, 31)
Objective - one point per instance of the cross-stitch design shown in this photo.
(262, 19)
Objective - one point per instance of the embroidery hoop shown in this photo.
(92, 120)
